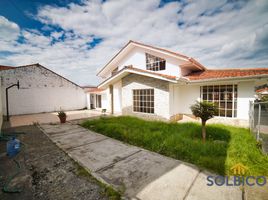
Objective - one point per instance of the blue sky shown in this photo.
(77, 38)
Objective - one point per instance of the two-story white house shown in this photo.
(156, 83)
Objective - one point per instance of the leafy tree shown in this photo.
(204, 110)
(264, 98)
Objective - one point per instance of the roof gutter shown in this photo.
(228, 78)
(197, 64)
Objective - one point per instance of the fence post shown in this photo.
(259, 122)
(251, 125)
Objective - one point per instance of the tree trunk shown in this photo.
(204, 131)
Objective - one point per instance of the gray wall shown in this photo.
(41, 90)
(161, 96)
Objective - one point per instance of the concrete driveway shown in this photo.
(42, 118)
(138, 173)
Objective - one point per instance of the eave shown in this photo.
(131, 70)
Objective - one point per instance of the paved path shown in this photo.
(139, 173)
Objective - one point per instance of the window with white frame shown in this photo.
(155, 63)
(143, 100)
(223, 96)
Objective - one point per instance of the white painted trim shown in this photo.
(161, 52)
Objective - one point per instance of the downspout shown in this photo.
(18, 85)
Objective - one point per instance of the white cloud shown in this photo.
(218, 33)
(9, 31)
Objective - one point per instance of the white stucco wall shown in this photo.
(183, 96)
(40, 91)
(88, 100)
(106, 100)
(137, 59)
(117, 97)
(245, 94)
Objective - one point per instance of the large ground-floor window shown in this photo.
(143, 100)
(223, 96)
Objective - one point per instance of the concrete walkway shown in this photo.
(138, 173)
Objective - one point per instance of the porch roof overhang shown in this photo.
(131, 70)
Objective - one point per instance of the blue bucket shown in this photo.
(13, 147)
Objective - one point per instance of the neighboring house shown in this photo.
(262, 92)
(156, 83)
(41, 90)
(93, 97)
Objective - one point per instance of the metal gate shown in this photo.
(258, 121)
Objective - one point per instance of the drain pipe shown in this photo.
(18, 85)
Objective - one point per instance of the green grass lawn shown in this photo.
(225, 145)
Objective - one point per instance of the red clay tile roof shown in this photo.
(262, 90)
(95, 90)
(3, 67)
(226, 73)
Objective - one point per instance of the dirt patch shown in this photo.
(46, 172)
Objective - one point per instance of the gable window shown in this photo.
(155, 63)
(143, 101)
(223, 96)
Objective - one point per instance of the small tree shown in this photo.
(204, 110)
(264, 98)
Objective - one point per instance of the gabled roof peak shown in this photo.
(188, 59)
